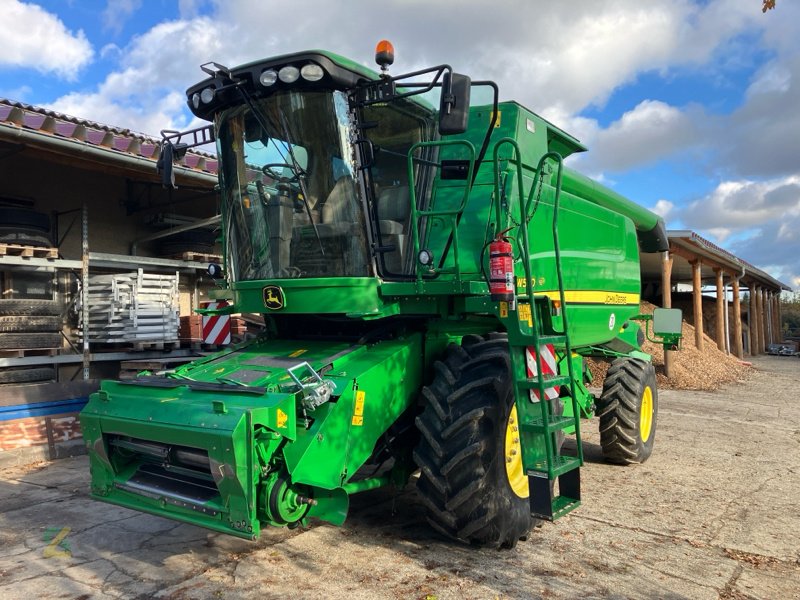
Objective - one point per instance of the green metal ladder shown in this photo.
(530, 325)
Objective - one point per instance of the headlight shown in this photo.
(312, 72)
(268, 78)
(196, 100)
(207, 95)
(288, 74)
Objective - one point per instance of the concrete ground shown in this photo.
(712, 514)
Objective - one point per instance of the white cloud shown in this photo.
(20, 93)
(743, 205)
(146, 94)
(117, 12)
(664, 209)
(34, 38)
(649, 132)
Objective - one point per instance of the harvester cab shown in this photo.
(432, 279)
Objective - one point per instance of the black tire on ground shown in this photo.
(625, 411)
(22, 324)
(29, 341)
(30, 307)
(26, 375)
(461, 453)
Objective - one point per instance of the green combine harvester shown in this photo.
(432, 278)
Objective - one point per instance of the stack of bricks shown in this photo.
(191, 328)
(32, 431)
(238, 327)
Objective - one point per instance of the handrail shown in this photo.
(416, 213)
(524, 210)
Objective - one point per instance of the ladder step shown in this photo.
(561, 506)
(532, 383)
(546, 506)
(560, 465)
(554, 423)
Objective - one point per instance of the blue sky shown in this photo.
(689, 108)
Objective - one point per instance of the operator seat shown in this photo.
(394, 208)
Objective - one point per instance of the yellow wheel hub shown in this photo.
(646, 414)
(513, 457)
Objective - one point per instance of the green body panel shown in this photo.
(343, 437)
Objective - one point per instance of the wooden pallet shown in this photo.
(28, 251)
(21, 353)
(131, 368)
(199, 257)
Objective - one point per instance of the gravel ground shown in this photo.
(712, 514)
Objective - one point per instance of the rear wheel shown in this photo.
(472, 488)
(628, 411)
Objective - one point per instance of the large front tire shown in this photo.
(628, 411)
(468, 492)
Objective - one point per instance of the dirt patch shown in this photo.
(691, 368)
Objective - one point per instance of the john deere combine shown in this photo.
(431, 276)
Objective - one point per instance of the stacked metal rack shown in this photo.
(135, 307)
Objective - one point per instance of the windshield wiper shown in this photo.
(260, 117)
(300, 173)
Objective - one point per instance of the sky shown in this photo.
(690, 108)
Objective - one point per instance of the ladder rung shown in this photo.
(532, 383)
(554, 423)
(560, 465)
(561, 506)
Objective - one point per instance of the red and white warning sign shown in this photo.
(549, 369)
(216, 328)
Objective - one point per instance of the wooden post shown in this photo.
(770, 318)
(737, 321)
(666, 301)
(758, 322)
(779, 315)
(762, 305)
(697, 286)
(720, 320)
(776, 316)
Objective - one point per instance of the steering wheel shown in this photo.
(271, 172)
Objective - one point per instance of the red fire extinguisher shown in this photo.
(501, 269)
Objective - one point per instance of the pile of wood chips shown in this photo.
(691, 369)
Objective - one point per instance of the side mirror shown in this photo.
(667, 321)
(454, 106)
(164, 164)
(667, 324)
(169, 154)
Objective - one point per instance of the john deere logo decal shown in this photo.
(273, 297)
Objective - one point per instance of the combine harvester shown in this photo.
(432, 278)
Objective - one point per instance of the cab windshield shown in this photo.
(290, 202)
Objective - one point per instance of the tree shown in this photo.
(767, 5)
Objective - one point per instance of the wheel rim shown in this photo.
(513, 457)
(646, 414)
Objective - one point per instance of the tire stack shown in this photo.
(24, 227)
(29, 325)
